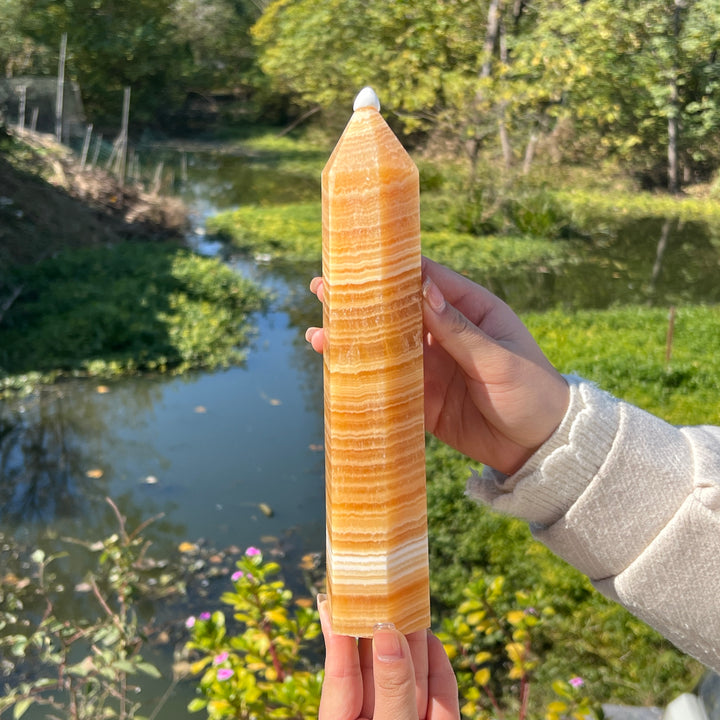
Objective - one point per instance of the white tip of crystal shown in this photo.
(366, 98)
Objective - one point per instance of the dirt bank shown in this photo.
(49, 203)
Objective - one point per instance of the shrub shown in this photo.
(87, 667)
(261, 667)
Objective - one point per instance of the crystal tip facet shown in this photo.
(366, 98)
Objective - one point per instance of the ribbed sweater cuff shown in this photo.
(554, 477)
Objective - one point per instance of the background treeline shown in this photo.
(576, 80)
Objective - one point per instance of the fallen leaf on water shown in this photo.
(316, 448)
(200, 409)
(233, 550)
(310, 561)
(15, 581)
(186, 547)
(150, 480)
(102, 389)
(94, 473)
(83, 587)
(215, 559)
(275, 401)
(266, 509)
(181, 669)
(269, 539)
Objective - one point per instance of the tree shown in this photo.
(409, 51)
(19, 55)
(642, 77)
(217, 36)
(112, 45)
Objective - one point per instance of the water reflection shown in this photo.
(655, 261)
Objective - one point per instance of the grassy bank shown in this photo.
(94, 279)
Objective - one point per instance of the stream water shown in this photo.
(235, 456)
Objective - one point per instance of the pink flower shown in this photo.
(205, 616)
(190, 622)
(224, 673)
(220, 658)
(252, 551)
(577, 682)
(236, 575)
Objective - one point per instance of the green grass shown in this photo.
(624, 350)
(291, 232)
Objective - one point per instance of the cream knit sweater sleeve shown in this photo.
(632, 502)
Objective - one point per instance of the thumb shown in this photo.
(394, 676)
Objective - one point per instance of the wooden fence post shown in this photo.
(60, 89)
(122, 159)
(86, 146)
(21, 109)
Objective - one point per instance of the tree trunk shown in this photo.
(673, 131)
(492, 34)
(674, 109)
(491, 40)
(529, 152)
(502, 125)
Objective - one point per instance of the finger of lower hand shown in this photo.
(317, 287)
(443, 701)
(316, 337)
(418, 642)
(342, 688)
(394, 676)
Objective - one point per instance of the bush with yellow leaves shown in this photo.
(259, 669)
(488, 640)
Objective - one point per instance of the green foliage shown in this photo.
(490, 640)
(260, 668)
(88, 667)
(595, 211)
(216, 35)
(111, 46)
(288, 231)
(292, 232)
(126, 308)
(614, 75)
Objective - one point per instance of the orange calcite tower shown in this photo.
(377, 555)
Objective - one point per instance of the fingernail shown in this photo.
(431, 292)
(386, 642)
(309, 333)
(324, 613)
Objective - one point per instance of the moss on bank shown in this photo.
(123, 309)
